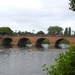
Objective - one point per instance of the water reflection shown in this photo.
(7, 46)
(43, 46)
(46, 45)
(63, 46)
(26, 61)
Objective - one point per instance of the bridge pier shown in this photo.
(52, 44)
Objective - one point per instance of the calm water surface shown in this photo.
(26, 61)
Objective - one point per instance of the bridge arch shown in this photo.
(59, 41)
(40, 41)
(23, 41)
(7, 41)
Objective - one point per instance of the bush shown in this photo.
(65, 64)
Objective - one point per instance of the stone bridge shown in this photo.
(35, 40)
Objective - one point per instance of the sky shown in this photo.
(36, 15)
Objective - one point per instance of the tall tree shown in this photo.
(55, 30)
(72, 5)
(69, 31)
(66, 31)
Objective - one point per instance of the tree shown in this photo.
(65, 64)
(69, 31)
(55, 30)
(72, 5)
(28, 33)
(66, 31)
(6, 30)
(40, 33)
(19, 32)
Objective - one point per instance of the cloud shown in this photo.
(22, 4)
(26, 15)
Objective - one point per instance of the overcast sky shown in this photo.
(29, 15)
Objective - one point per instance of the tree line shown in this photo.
(52, 30)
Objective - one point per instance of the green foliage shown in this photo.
(28, 33)
(40, 33)
(55, 30)
(45, 41)
(72, 5)
(28, 42)
(65, 64)
(64, 42)
(5, 30)
(67, 31)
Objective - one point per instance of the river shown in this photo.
(26, 61)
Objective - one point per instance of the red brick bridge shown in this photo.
(35, 40)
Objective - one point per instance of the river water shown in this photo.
(26, 61)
